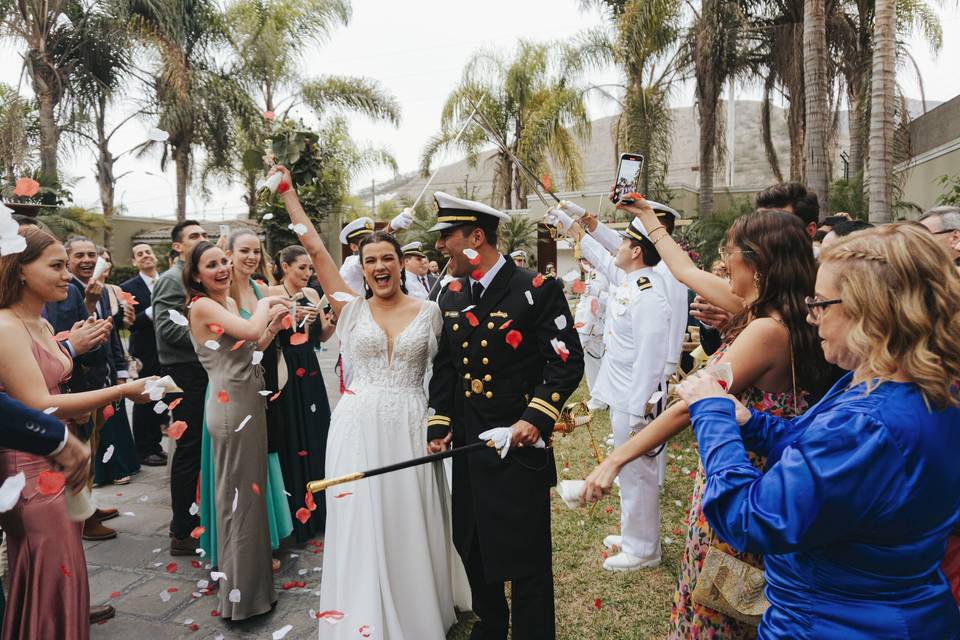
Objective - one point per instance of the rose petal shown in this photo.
(213, 345)
(243, 423)
(50, 483)
(176, 429)
(303, 514)
(255, 488)
(234, 595)
(476, 274)
(309, 501)
(165, 596)
(297, 339)
(579, 286)
(274, 396)
(10, 491)
(514, 338)
(175, 403)
(26, 188)
(300, 372)
(471, 254)
(178, 318)
(455, 285)
(223, 397)
(343, 495)
(172, 567)
(529, 297)
(302, 453)
(537, 280)
(197, 532)
(299, 228)
(505, 324)
(107, 454)
(257, 358)
(108, 412)
(236, 498)
(561, 322)
(472, 319)
(160, 407)
(595, 307)
(280, 633)
(286, 322)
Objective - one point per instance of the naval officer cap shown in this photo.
(635, 231)
(456, 212)
(663, 211)
(519, 253)
(413, 249)
(354, 231)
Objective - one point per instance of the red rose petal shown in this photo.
(332, 614)
(537, 280)
(50, 483)
(506, 324)
(455, 285)
(194, 627)
(26, 188)
(343, 495)
(578, 325)
(114, 594)
(216, 328)
(255, 488)
(300, 372)
(365, 631)
(302, 514)
(64, 571)
(214, 613)
(197, 532)
(172, 567)
(223, 397)
(302, 454)
(514, 338)
(310, 503)
(127, 298)
(274, 396)
(195, 564)
(108, 412)
(472, 319)
(177, 429)
(594, 307)
(286, 322)
(597, 604)
(475, 261)
(609, 509)
(176, 403)
(476, 274)
(237, 345)
(579, 286)
(172, 589)
(298, 339)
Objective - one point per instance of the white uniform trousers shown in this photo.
(639, 497)
(592, 356)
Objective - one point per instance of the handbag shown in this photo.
(732, 587)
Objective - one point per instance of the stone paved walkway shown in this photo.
(155, 598)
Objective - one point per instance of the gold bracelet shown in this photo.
(665, 234)
(655, 229)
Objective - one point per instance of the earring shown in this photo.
(756, 279)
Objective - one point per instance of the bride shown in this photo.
(388, 562)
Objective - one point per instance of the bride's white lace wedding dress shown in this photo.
(388, 564)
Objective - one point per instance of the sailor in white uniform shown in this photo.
(588, 319)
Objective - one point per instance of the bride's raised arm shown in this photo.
(327, 271)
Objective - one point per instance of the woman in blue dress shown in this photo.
(859, 495)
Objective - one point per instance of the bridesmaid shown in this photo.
(243, 249)
(236, 422)
(123, 461)
(306, 408)
(49, 595)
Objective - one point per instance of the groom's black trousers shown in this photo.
(532, 598)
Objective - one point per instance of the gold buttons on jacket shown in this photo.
(489, 394)
(490, 325)
(456, 327)
(487, 378)
(466, 376)
(465, 344)
(466, 393)
(466, 361)
(486, 361)
(555, 396)
(483, 343)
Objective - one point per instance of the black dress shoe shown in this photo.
(101, 613)
(183, 546)
(153, 460)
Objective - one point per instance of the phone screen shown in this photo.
(628, 176)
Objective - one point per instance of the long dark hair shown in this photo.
(11, 287)
(287, 255)
(191, 266)
(383, 236)
(776, 245)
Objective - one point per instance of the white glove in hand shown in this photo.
(403, 221)
(502, 437)
(557, 217)
(571, 209)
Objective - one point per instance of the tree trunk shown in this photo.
(769, 149)
(181, 155)
(883, 79)
(708, 137)
(795, 125)
(816, 166)
(105, 178)
(855, 124)
(49, 135)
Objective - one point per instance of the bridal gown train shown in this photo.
(389, 565)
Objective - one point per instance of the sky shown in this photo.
(416, 49)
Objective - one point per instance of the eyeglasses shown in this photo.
(816, 307)
(942, 231)
(724, 253)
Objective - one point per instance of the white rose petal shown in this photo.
(529, 297)
(280, 633)
(143, 498)
(265, 392)
(470, 253)
(201, 552)
(217, 576)
(10, 491)
(157, 550)
(107, 454)
(160, 407)
(299, 228)
(342, 296)
(50, 410)
(129, 513)
(234, 595)
(12, 245)
(267, 216)
(446, 280)
(257, 358)
(165, 595)
(178, 318)
(243, 423)
(236, 496)
(213, 345)
(188, 621)
(203, 584)
(561, 322)
(194, 509)
(571, 275)
(302, 572)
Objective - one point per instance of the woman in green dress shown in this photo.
(306, 407)
(244, 250)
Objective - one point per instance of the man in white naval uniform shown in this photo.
(635, 337)
(352, 233)
(588, 320)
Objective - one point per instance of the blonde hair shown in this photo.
(902, 291)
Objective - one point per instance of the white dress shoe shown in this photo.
(612, 541)
(625, 562)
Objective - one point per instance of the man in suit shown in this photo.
(508, 358)
(143, 346)
(179, 360)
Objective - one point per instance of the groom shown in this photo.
(508, 357)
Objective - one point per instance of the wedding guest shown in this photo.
(49, 595)
(944, 223)
(235, 418)
(851, 512)
(247, 264)
(794, 197)
(147, 423)
(115, 458)
(776, 361)
(306, 409)
(179, 360)
(841, 230)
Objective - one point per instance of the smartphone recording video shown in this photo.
(628, 177)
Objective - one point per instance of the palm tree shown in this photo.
(530, 104)
(519, 233)
(883, 81)
(198, 102)
(644, 46)
(18, 129)
(816, 82)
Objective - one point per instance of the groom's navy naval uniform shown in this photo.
(501, 508)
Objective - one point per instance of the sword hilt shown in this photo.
(316, 486)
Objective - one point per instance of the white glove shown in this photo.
(557, 217)
(502, 437)
(403, 221)
(572, 210)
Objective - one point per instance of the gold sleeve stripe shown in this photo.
(546, 408)
(432, 420)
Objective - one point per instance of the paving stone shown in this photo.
(103, 582)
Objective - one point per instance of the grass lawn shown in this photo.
(632, 605)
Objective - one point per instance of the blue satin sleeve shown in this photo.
(763, 432)
(840, 470)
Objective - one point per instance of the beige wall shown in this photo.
(920, 184)
(124, 228)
